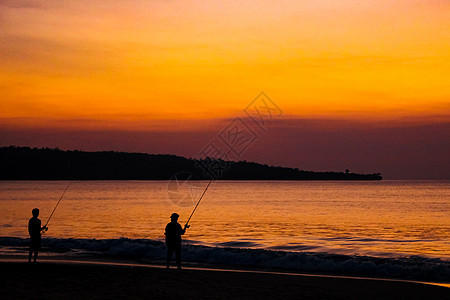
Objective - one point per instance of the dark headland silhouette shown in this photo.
(24, 163)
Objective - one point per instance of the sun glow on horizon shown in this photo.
(134, 62)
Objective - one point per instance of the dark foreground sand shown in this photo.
(46, 280)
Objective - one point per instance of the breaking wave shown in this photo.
(412, 268)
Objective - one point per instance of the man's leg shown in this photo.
(178, 255)
(169, 255)
(30, 254)
(35, 254)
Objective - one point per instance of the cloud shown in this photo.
(26, 3)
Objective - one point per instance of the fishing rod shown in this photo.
(201, 197)
(56, 206)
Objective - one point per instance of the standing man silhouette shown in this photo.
(34, 229)
(173, 234)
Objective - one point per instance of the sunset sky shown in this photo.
(362, 84)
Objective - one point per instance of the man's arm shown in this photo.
(29, 227)
(183, 230)
(166, 230)
(41, 228)
(165, 233)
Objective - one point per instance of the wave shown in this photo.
(239, 244)
(412, 268)
(356, 239)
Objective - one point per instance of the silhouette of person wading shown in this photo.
(173, 239)
(34, 229)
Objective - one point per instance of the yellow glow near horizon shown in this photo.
(136, 61)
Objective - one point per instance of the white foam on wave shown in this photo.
(413, 268)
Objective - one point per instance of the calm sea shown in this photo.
(380, 219)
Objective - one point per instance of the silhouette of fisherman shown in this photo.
(173, 234)
(34, 229)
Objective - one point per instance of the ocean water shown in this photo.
(380, 219)
(379, 227)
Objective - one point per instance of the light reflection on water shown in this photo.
(387, 218)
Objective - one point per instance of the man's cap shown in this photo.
(174, 215)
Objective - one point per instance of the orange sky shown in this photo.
(363, 84)
(126, 63)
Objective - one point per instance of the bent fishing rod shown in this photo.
(45, 226)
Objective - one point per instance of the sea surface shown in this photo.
(375, 219)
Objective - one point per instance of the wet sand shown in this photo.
(94, 280)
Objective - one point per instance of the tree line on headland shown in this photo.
(25, 163)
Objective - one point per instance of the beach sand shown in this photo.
(94, 280)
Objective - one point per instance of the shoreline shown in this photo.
(199, 267)
(74, 279)
(151, 252)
